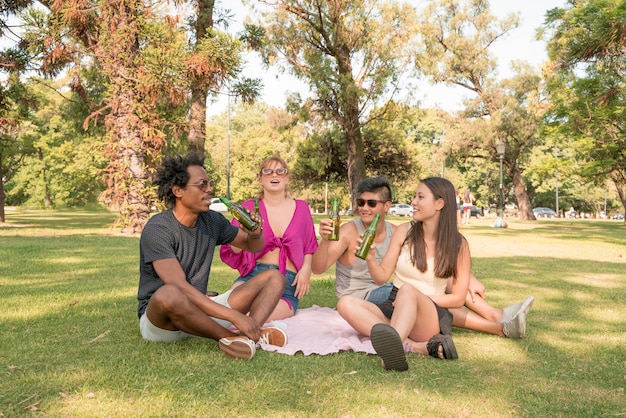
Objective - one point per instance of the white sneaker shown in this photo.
(516, 327)
(237, 347)
(511, 311)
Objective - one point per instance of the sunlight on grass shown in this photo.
(71, 347)
(603, 281)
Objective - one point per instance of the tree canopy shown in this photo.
(94, 94)
(587, 47)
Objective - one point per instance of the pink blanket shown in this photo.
(321, 331)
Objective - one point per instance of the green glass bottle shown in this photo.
(368, 238)
(334, 216)
(240, 214)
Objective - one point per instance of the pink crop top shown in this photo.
(298, 240)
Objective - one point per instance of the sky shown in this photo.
(519, 44)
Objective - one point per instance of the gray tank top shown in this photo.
(355, 279)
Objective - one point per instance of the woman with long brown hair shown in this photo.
(426, 255)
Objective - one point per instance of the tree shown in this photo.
(16, 103)
(352, 54)
(155, 83)
(64, 168)
(214, 63)
(201, 82)
(457, 36)
(388, 152)
(588, 87)
(141, 56)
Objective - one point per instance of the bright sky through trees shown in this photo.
(518, 45)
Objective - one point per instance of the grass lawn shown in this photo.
(70, 344)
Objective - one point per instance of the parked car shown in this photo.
(217, 205)
(619, 215)
(476, 212)
(400, 209)
(544, 213)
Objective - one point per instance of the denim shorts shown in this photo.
(289, 293)
(379, 294)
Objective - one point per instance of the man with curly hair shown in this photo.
(176, 252)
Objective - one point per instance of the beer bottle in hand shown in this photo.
(240, 214)
(368, 238)
(334, 216)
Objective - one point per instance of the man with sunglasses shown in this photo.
(176, 252)
(352, 276)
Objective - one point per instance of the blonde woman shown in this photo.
(289, 234)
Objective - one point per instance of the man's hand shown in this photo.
(246, 325)
(326, 228)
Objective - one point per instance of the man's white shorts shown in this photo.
(151, 332)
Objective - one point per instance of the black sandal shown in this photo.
(449, 350)
(388, 345)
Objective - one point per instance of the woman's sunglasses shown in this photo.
(280, 172)
(370, 202)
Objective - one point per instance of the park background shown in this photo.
(524, 108)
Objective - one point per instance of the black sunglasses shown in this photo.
(372, 203)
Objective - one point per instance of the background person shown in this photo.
(468, 202)
(459, 213)
(290, 239)
(176, 252)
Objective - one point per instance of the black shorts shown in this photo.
(445, 317)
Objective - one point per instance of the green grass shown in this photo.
(70, 345)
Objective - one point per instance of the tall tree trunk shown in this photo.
(347, 117)
(2, 195)
(131, 176)
(519, 187)
(200, 86)
(355, 153)
(130, 137)
(197, 117)
(620, 185)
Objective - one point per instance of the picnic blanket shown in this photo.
(322, 331)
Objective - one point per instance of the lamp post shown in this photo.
(443, 151)
(556, 181)
(500, 149)
(228, 152)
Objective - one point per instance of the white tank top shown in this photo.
(426, 282)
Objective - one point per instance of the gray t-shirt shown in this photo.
(164, 237)
(355, 279)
